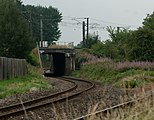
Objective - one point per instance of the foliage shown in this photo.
(131, 84)
(139, 110)
(138, 44)
(118, 46)
(50, 18)
(81, 56)
(92, 39)
(149, 21)
(125, 44)
(15, 38)
(98, 49)
(32, 59)
(109, 71)
(111, 50)
(33, 81)
(141, 46)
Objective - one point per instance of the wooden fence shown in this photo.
(10, 68)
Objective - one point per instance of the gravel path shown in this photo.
(100, 97)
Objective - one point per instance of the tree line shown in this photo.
(125, 44)
(20, 27)
(20, 30)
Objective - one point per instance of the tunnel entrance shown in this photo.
(58, 64)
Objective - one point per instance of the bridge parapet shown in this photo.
(57, 50)
(56, 44)
(62, 44)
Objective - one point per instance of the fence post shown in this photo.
(5, 68)
(13, 68)
(25, 70)
(1, 68)
(9, 68)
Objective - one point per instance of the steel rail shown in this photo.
(28, 107)
(2, 114)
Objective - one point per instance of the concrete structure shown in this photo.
(60, 61)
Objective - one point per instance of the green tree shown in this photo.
(127, 44)
(50, 17)
(142, 45)
(120, 38)
(149, 21)
(110, 50)
(98, 49)
(92, 39)
(15, 38)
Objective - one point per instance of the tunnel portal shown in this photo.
(58, 64)
(58, 61)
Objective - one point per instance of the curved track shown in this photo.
(79, 86)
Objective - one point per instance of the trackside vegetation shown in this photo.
(120, 74)
(34, 81)
(124, 60)
(125, 44)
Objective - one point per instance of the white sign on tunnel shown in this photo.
(41, 51)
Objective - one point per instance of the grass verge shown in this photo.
(31, 82)
(106, 72)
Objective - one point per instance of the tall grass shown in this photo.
(32, 82)
(126, 73)
(140, 110)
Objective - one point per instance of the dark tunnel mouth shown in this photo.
(58, 64)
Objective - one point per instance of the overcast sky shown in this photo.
(102, 13)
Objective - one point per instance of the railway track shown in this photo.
(124, 105)
(78, 86)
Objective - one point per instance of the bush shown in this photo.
(31, 59)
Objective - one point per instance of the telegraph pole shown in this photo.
(30, 17)
(83, 30)
(41, 30)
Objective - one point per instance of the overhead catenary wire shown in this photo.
(70, 21)
(75, 24)
(101, 24)
(112, 23)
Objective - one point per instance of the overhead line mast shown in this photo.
(83, 24)
(85, 40)
(87, 29)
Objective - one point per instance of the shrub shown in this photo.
(31, 59)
